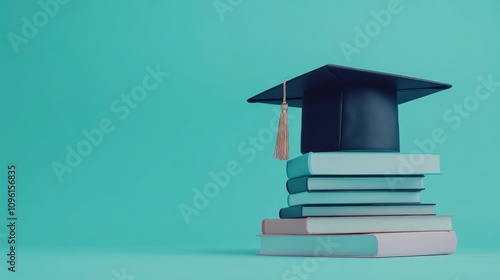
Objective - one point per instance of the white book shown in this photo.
(360, 245)
(362, 163)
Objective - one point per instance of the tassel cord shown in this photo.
(281, 151)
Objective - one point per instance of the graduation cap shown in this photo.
(345, 109)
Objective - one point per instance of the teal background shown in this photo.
(125, 195)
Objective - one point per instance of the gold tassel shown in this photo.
(281, 150)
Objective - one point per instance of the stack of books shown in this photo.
(357, 204)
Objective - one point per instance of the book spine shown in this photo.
(291, 212)
(298, 167)
(297, 185)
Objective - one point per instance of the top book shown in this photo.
(362, 163)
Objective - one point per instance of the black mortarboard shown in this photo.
(349, 109)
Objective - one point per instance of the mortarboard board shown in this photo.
(347, 109)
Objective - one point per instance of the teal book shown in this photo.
(354, 197)
(360, 183)
(362, 163)
(339, 210)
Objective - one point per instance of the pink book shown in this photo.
(363, 224)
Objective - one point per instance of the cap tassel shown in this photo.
(281, 150)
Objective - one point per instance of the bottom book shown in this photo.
(376, 245)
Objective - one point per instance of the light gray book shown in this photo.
(375, 245)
